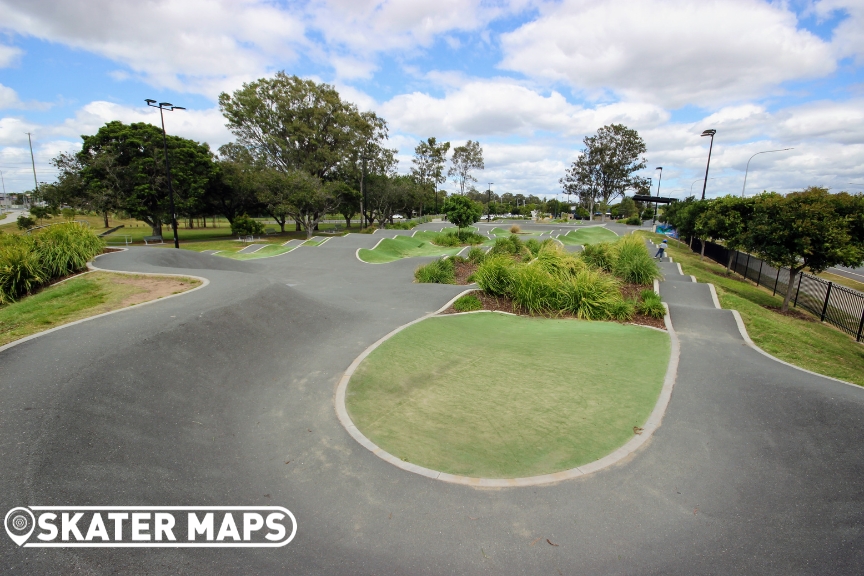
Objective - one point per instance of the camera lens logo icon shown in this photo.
(19, 524)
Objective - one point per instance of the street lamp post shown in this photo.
(711, 132)
(489, 203)
(169, 107)
(748, 165)
(694, 182)
(659, 181)
(364, 202)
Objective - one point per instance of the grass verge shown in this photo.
(81, 297)
(498, 411)
(799, 340)
(591, 235)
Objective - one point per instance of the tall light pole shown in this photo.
(654, 219)
(489, 203)
(711, 132)
(748, 165)
(364, 201)
(33, 163)
(170, 107)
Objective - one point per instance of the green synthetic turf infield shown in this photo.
(391, 249)
(591, 235)
(498, 396)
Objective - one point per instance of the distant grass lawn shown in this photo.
(87, 295)
(273, 250)
(475, 395)
(592, 235)
(809, 344)
(391, 249)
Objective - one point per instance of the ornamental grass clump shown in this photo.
(632, 262)
(28, 262)
(476, 255)
(494, 275)
(591, 295)
(650, 304)
(600, 255)
(441, 271)
(467, 303)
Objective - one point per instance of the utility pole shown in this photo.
(654, 219)
(33, 163)
(489, 203)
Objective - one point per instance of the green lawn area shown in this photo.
(592, 235)
(809, 343)
(493, 395)
(391, 249)
(502, 232)
(81, 297)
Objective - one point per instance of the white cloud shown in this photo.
(193, 45)
(493, 108)
(8, 98)
(9, 55)
(673, 52)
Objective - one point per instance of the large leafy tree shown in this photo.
(607, 166)
(462, 211)
(464, 162)
(122, 167)
(233, 192)
(294, 124)
(725, 219)
(428, 164)
(808, 229)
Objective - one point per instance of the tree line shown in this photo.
(301, 153)
(810, 229)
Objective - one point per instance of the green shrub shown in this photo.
(622, 310)
(467, 303)
(402, 225)
(533, 246)
(68, 213)
(20, 270)
(533, 290)
(369, 230)
(650, 304)
(632, 262)
(512, 245)
(555, 261)
(440, 271)
(476, 255)
(634, 220)
(494, 275)
(453, 238)
(246, 226)
(600, 255)
(25, 222)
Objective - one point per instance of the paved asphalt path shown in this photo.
(201, 400)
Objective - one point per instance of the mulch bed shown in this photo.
(504, 304)
(463, 271)
(792, 313)
(107, 250)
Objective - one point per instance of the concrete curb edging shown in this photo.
(91, 268)
(743, 331)
(654, 421)
(713, 295)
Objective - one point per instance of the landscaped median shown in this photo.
(590, 235)
(500, 396)
(420, 244)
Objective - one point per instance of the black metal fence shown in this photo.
(831, 302)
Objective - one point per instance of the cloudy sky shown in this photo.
(528, 79)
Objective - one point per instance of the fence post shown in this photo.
(800, 276)
(860, 327)
(747, 266)
(825, 305)
(776, 280)
(759, 275)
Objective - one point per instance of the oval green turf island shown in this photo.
(498, 396)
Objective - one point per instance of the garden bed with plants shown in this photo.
(607, 281)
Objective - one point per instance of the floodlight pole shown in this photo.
(489, 203)
(711, 132)
(33, 163)
(654, 219)
(170, 107)
(364, 203)
(748, 165)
